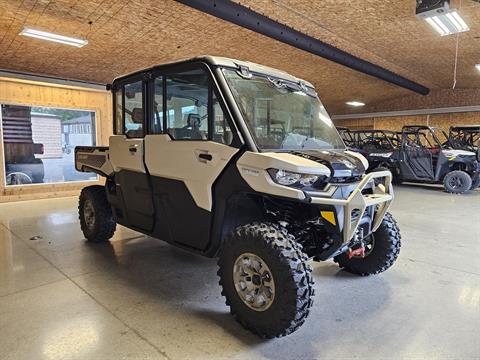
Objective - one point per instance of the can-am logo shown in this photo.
(347, 163)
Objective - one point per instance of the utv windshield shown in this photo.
(282, 115)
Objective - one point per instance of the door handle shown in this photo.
(133, 149)
(206, 157)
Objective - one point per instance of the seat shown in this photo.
(137, 118)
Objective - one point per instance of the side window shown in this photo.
(156, 124)
(221, 130)
(118, 113)
(134, 110)
(187, 105)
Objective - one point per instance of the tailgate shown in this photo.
(93, 159)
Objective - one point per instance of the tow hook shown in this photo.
(358, 252)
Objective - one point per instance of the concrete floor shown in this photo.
(138, 298)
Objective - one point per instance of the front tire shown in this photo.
(382, 249)
(457, 182)
(266, 279)
(95, 214)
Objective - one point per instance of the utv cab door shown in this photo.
(416, 159)
(188, 146)
(133, 204)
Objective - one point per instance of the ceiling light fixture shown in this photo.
(355, 103)
(478, 67)
(44, 35)
(448, 24)
(439, 16)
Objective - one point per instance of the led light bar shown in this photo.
(44, 35)
(447, 23)
(355, 103)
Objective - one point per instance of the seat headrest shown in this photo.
(137, 115)
(227, 137)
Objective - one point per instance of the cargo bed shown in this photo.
(93, 159)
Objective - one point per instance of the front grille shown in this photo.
(345, 180)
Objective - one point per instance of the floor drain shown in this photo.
(36, 237)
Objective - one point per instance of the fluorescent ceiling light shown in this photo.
(448, 23)
(355, 103)
(38, 34)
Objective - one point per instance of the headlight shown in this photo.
(289, 178)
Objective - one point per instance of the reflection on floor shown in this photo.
(140, 298)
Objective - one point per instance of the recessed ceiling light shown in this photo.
(478, 67)
(355, 103)
(44, 35)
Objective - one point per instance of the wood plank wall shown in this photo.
(395, 123)
(22, 92)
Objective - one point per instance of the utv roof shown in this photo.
(372, 131)
(413, 128)
(466, 127)
(218, 61)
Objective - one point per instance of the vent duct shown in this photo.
(249, 19)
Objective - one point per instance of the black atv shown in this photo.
(375, 145)
(426, 155)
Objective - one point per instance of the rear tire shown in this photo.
(382, 255)
(279, 301)
(457, 182)
(95, 214)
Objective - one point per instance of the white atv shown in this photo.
(238, 161)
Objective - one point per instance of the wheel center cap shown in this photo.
(256, 280)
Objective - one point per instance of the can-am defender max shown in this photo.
(239, 161)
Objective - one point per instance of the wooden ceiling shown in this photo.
(129, 35)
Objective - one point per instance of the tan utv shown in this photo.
(239, 161)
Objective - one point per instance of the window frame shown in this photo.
(120, 85)
(94, 134)
(151, 101)
(212, 89)
(181, 69)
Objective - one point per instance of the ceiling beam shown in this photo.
(50, 79)
(249, 19)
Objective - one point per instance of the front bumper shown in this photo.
(356, 204)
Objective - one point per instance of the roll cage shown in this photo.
(422, 136)
(346, 135)
(465, 137)
(219, 89)
(371, 139)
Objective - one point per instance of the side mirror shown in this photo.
(38, 149)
